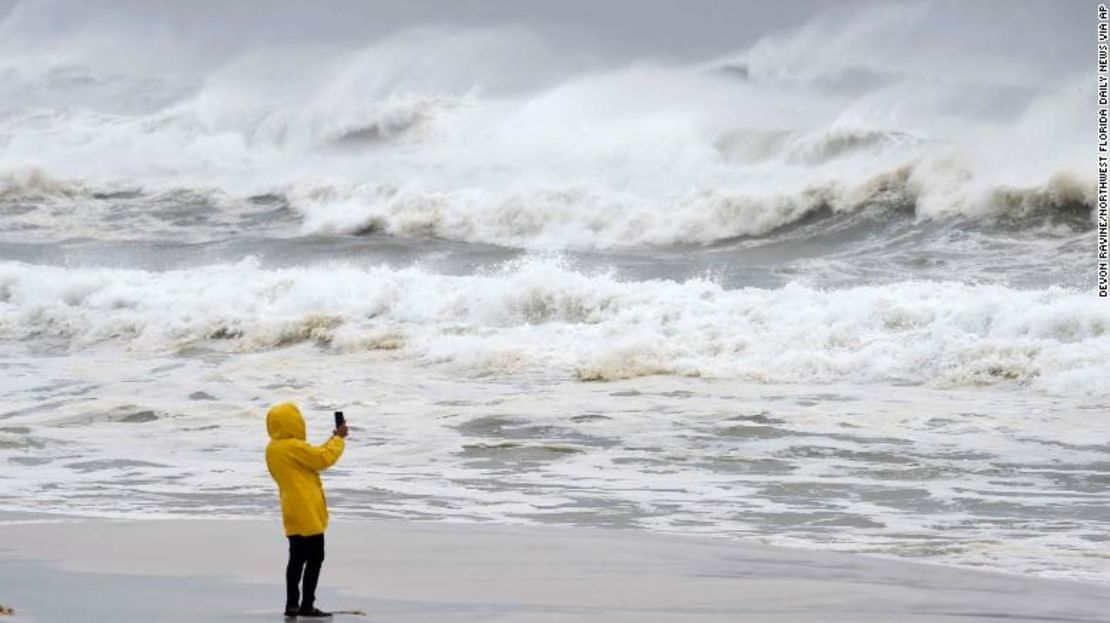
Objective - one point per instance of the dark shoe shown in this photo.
(313, 613)
(290, 613)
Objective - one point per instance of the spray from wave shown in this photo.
(497, 135)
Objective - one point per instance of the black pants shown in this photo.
(306, 553)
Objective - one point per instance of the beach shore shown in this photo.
(226, 570)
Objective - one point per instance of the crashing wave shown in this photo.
(574, 217)
(581, 217)
(496, 136)
(541, 315)
(35, 185)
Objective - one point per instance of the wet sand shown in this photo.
(224, 570)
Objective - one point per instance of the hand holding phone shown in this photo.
(340, 425)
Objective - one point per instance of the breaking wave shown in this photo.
(498, 136)
(566, 217)
(540, 314)
(583, 217)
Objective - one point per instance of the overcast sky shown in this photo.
(682, 29)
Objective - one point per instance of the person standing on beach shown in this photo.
(295, 466)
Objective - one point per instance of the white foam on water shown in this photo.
(852, 467)
(498, 136)
(541, 314)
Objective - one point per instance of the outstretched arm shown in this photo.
(319, 457)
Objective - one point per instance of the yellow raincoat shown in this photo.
(294, 465)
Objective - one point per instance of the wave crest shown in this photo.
(34, 184)
(542, 315)
(498, 136)
(587, 218)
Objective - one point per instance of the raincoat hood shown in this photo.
(284, 421)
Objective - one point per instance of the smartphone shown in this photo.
(339, 421)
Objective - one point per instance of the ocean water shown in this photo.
(838, 300)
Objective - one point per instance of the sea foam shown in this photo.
(543, 315)
(494, 135)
